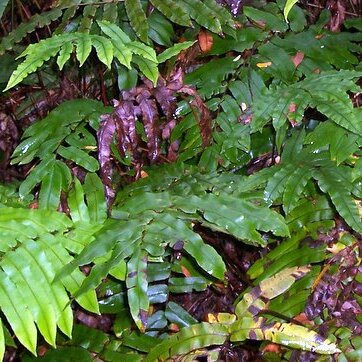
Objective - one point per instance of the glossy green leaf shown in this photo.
(174, 50)
(18, 315)
(160, 29)
(119, 40)
(104, 49)
(317, 90)
(237, 217)
(95, 197)
(267, 19)
(77, 206)
(176, 314)
(57, 126)
(64, 54)
(137, 286)
(203, 15)
(143, 50)
(334, 182)
(34, 60)
(147, 67)
(114, 32)
(137, 18)
(84, 48)
(80, 157)
(173, 10)
(58, 257)
(37, 299)
(51, 187)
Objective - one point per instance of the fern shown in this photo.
(318, 91)
(32, 253)
(119, 45)
(137, 18)
(36, 21)
(62, 133)
(336, 181)
(150, 220)
(245, 324)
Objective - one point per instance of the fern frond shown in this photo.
(173, 10)
(36, 21)
(84, 48)
(110, 13)
(37, 54)
(137, 18)
(203, 15)
(207, 85)
(56, 127)
(33, 251)
(64, 54)
(44, 140)
(46, 49)
(341, 142)
(149, 220)
(335, 181)
(104, 49)
(327, 92)
(18, 315)
(120, 41)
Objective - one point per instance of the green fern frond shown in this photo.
(336, 182)
(137, 18)
(149, 220)
(33, 245)
(44, 140)
(173, 10)
(327, 92)
(36, 21)
(340, 142)
(119, 45)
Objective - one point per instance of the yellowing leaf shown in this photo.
(264, 65)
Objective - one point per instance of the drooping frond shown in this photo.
(32, 252)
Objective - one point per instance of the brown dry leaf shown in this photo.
(185, 271)
(302, 318)
(272, 348)
(297, 58)
(338, 11)
(205, 41)
(174, 327)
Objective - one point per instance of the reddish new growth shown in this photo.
(155, 107)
